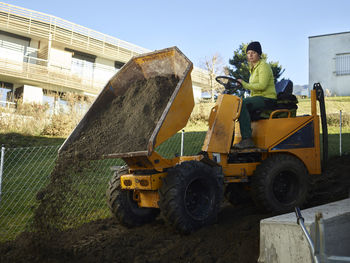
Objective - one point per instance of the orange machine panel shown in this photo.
(221, 124)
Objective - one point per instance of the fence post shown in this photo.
(340, 127)
(182, 142)
(1, 166)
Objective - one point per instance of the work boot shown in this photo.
(244, 144)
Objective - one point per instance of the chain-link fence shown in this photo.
(25, 171)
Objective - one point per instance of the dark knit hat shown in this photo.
(255, 46)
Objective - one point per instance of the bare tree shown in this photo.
(215, 67)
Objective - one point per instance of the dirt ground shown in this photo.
(234, 238)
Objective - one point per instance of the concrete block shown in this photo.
(282, 240)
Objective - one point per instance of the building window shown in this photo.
(118, 64)
(82, 63)
(342, 64)
(82, 68)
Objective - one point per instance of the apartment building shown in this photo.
(43, 57)
(329, 62)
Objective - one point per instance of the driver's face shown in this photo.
(253, 57)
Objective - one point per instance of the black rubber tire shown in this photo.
(280, 183)
(122, 205)
(190, 196)
(237, 194)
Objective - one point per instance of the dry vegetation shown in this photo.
(200, 115)
(37, 120)
(41, 120)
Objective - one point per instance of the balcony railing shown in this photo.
(7, 104)
(48, 77)
(42, 26)
(40, 72)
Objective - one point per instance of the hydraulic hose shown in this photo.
(320, 98)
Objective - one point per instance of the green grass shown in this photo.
(86, 202)
(11, 140)
(26, 171)
(333, 105)
(334, 144)
(193, 142)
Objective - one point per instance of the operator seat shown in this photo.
(286, 101)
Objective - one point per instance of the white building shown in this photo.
(43, 57)
(329, 62)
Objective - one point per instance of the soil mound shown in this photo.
(126, 123)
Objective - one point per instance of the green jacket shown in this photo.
(261, 81)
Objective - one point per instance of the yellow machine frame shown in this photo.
(267, 134)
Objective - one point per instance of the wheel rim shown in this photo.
(198, 199)
(285, 187)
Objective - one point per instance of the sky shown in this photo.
(201, 29)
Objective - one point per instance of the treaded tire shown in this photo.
(190, 196)
(280, 183)
(122, 205)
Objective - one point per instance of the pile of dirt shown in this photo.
(126, 123)
(235, 237)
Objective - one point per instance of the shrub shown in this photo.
(32, 109)
(27, 119)
(333, 120)
(201, 112)
(35, 119)
(60, 125)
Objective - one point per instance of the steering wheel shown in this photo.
(232, 86)
(228, 82)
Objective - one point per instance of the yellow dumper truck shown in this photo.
(188, 190)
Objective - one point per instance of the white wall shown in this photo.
(322, 53)
(32, 94)
(104, 69)
(197, 93)
(12, 49)
(60, 58)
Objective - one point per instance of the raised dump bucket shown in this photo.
(142, 105)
